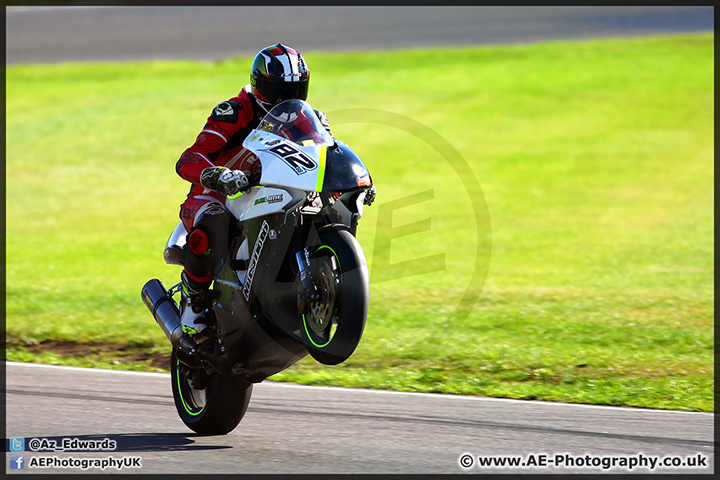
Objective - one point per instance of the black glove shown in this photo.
(225, 181)
(370, 196)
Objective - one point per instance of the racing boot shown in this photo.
(195, 299)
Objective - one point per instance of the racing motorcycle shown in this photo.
(295, 280)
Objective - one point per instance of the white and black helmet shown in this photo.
(279, 73)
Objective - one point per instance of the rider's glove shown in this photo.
(370, 196)
(223, 180)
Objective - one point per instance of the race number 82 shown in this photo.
(296, 159)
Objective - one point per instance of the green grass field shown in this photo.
(557, 201)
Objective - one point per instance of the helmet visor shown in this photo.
(276, 92)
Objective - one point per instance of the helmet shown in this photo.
(279, 73)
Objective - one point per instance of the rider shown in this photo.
(218, 166)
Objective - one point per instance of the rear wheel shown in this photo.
(209, 405)
(333, 323)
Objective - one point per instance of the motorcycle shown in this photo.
(294, 282)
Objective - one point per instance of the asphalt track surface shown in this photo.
(292, 429)
(295, 429)
(59, 34)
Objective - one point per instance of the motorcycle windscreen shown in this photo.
(297, 152)
(343, 170)
(296, 121)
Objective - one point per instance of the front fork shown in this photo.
(307, 290)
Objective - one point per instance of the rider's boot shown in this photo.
(195, 299)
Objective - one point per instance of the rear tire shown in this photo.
(215, 409)
(332, 327)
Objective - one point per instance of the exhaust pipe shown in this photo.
(167, 314)
(164, 309)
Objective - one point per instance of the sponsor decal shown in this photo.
(225, 108)
(363, 181)
(257, 251)
(266, 126)
(146, 296)
(254, 137)
(226, 112)
(214, 208)
(270, 199)
(226, 177)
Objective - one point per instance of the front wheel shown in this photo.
(333, 323)
(208, 405)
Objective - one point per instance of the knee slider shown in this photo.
(198, 241)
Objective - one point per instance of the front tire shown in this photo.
(333, 325)
(216, 408)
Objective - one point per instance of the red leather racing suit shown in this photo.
(219, 144)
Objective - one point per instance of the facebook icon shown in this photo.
(17, 462)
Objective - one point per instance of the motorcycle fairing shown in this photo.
(288, 164)
(344, 171)
(263, 201)
(259, 320)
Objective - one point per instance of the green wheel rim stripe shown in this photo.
(303, 317)
(311, 339)
(321, 169)
(181, 395)
(334, 255)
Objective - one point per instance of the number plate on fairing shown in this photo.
(287, 164)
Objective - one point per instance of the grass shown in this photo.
(567, 220)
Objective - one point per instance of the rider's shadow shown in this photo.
(125, 442)
(158, 442)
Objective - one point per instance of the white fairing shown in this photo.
(289, 171)
(285, 163)
(263, 201)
